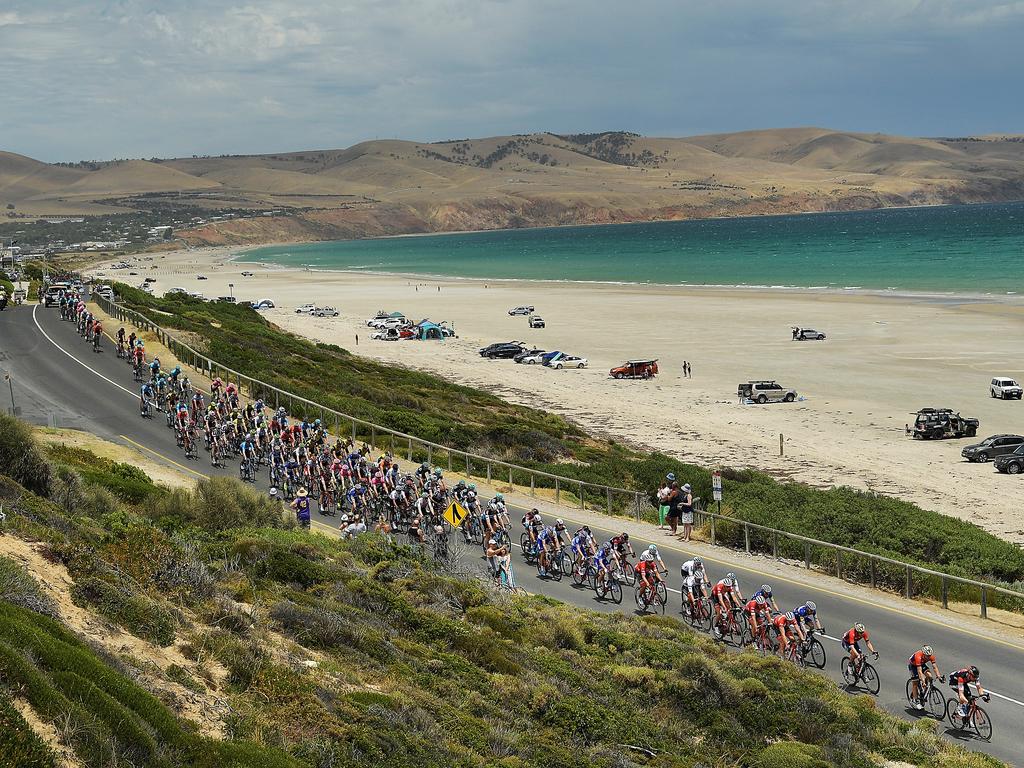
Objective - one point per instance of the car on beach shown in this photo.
(1005, 388)
(1011, 463)
(523, 310)
(807, 334)
(941, 423)
(765, 392)
(389, 334)
(566, 361)
(198, 277)
(325, 312)
(247, 274)
(176, 289)
(530, 356)
(536, 321)
(226, 299)
(635, 369)
(991, 447)
(503, 350)
(305, 309)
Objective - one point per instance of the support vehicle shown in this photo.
(991, 447)
(635, 369)
(1005, 388)
(765, 392)
(941, 423)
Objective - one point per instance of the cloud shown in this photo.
(116, 78)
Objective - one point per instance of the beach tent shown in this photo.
(550, 357)
(427, 330)
(396, 315)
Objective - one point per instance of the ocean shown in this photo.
(964, 249)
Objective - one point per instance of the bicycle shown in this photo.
(861, 672)
(554, 564)
(699, 613)
(646, 597)
(732, 629)
(813, 651)
(928, 695)
(146, 410)
(977, 719)
(761, 641)
(528, 549)
(609, 585)
(246, 471)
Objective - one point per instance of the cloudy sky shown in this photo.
(98, 79)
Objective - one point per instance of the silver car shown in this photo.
(766, 392)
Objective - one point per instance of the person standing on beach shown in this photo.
(672, 500)
(686, 510)
(689, 371)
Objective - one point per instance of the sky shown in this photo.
(104, 79)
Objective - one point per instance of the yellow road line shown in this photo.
(833, 593)
(160, 455)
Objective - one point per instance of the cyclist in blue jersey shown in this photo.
(807, 617)
(546, 538)
(766, 592)
(173, 375)
(602, 562)
(147, 395)
(154, 369)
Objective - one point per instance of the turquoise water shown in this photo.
(949, 249)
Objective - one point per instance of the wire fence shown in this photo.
(852, 565)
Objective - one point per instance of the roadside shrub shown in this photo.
(217, 504)
(791, 754)
(138, 614)
(21, 457)
(19, 744)
(17, 586)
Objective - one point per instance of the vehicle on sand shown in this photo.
(635, 369)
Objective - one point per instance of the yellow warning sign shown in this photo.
(455, 514)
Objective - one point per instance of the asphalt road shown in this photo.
(59, 380)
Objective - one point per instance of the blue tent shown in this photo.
(428, 330)
(550, 357)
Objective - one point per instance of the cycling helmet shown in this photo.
(625, 536)
(472, 486)
(424, 495)
(559, 522)
(499, 497)
(975, 671)
(586, 528)
(858, 627)
(760, 600)
(460, 484)
(316, 423)
(697, 561)
(810, 606)
(437, 472)
(653, 549)
(790, 616)
(731, 577)
(424, 465)
(281, 411)
(767, 589)
(729, 582)
(606, 548)
(927, 649)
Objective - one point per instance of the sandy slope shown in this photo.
(885, 357)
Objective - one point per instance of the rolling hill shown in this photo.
(542, 179)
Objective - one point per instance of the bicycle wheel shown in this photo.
(846, 666)
(935, 703)
(615, 589)
(526, 546)
(870, 678)
(638, 598)
(816, 653)
(662, 591)
(981, 724)
(703, 615)
(952, 705)
(579, 573)
(659, 603)
(555, 567)
(565, 562)
(628, 574)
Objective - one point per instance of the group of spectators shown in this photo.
(675, 506)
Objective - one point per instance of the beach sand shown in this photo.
(885, 357)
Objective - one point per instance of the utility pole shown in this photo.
(10, 384)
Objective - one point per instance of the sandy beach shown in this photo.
(885, 357)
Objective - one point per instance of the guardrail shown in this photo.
(853, 565)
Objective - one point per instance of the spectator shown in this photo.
(672, 500)
(353, 528)
(686, 510)
(662, 496)
(301, 507)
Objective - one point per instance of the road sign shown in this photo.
(455, 514)
(716, 485)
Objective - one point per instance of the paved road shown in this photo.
(58, 378)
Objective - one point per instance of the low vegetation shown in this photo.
(424, 405)
(361, 654)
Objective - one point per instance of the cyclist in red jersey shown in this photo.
(920, 672)
(785, 625)
(851, 642)
(725, 595)
(756, 607)
(961, 681)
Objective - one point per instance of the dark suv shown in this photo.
(991, 447)
(1011, 463)
(505, 349)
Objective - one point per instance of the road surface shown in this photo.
(60, 381)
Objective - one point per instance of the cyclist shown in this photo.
(807, 615)
(621, 545)
(533, 523)
(422, 473)
(646, 571)
(580, 547)
(173, 374)
(561, 533)
(546, 538)
(921, 674)
(785, 625)
(726, 596)
(146, 397)
(602, 564)
(692, 572)
(247, 450)
(851, 642)
(961, 681)
(756, 606)
(154, 369)
(766, 592)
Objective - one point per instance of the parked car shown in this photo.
(263, 304)
(305, 309)
(807, 334)
(567, 361)
(325, 312)
(198, 277)
(1005, 388)
(765, 392)
(523, 310)
(176, 290)
(536, 321)
(990, 447)
(1011, 463)
(150, 280)
(382, 318)
(247, 274)
(504, 350)
(226, 299)
(387, 334)
(939, 423)
(530, 356)
(635, 369)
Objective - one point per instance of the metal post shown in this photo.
(872, 569)
(984, 603)
(609, 491)
(746, 537)
(807, 555)
(910, 585)
(558, 491)
(839, 563)
(945, 592)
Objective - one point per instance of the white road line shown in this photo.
(58, 346)
(1006, 698)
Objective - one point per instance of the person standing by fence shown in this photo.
(663, 493)
(672, 502)
(686, 510)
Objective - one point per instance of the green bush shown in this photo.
(20, 456)
(126, 481)
(138, 614)
(19, 744)
(19, 588)
(217, 504)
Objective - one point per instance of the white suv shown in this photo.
(1005, 388)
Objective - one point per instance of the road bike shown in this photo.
(246, 471)
(731, 629)
(813, 651)
(651, 597)
(698, 611)
(609, 586)
(861, 673)
(146, 410)
(554, 562)
(761, 639)
(930, 697)
(977, 719)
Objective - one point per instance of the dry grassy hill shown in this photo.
(381, 187)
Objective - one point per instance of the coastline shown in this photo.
(885, 356)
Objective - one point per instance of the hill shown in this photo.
(293, 649)
(381, 187)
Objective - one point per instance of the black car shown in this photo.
(1011, 463)
(504, 349)
(991, 447)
